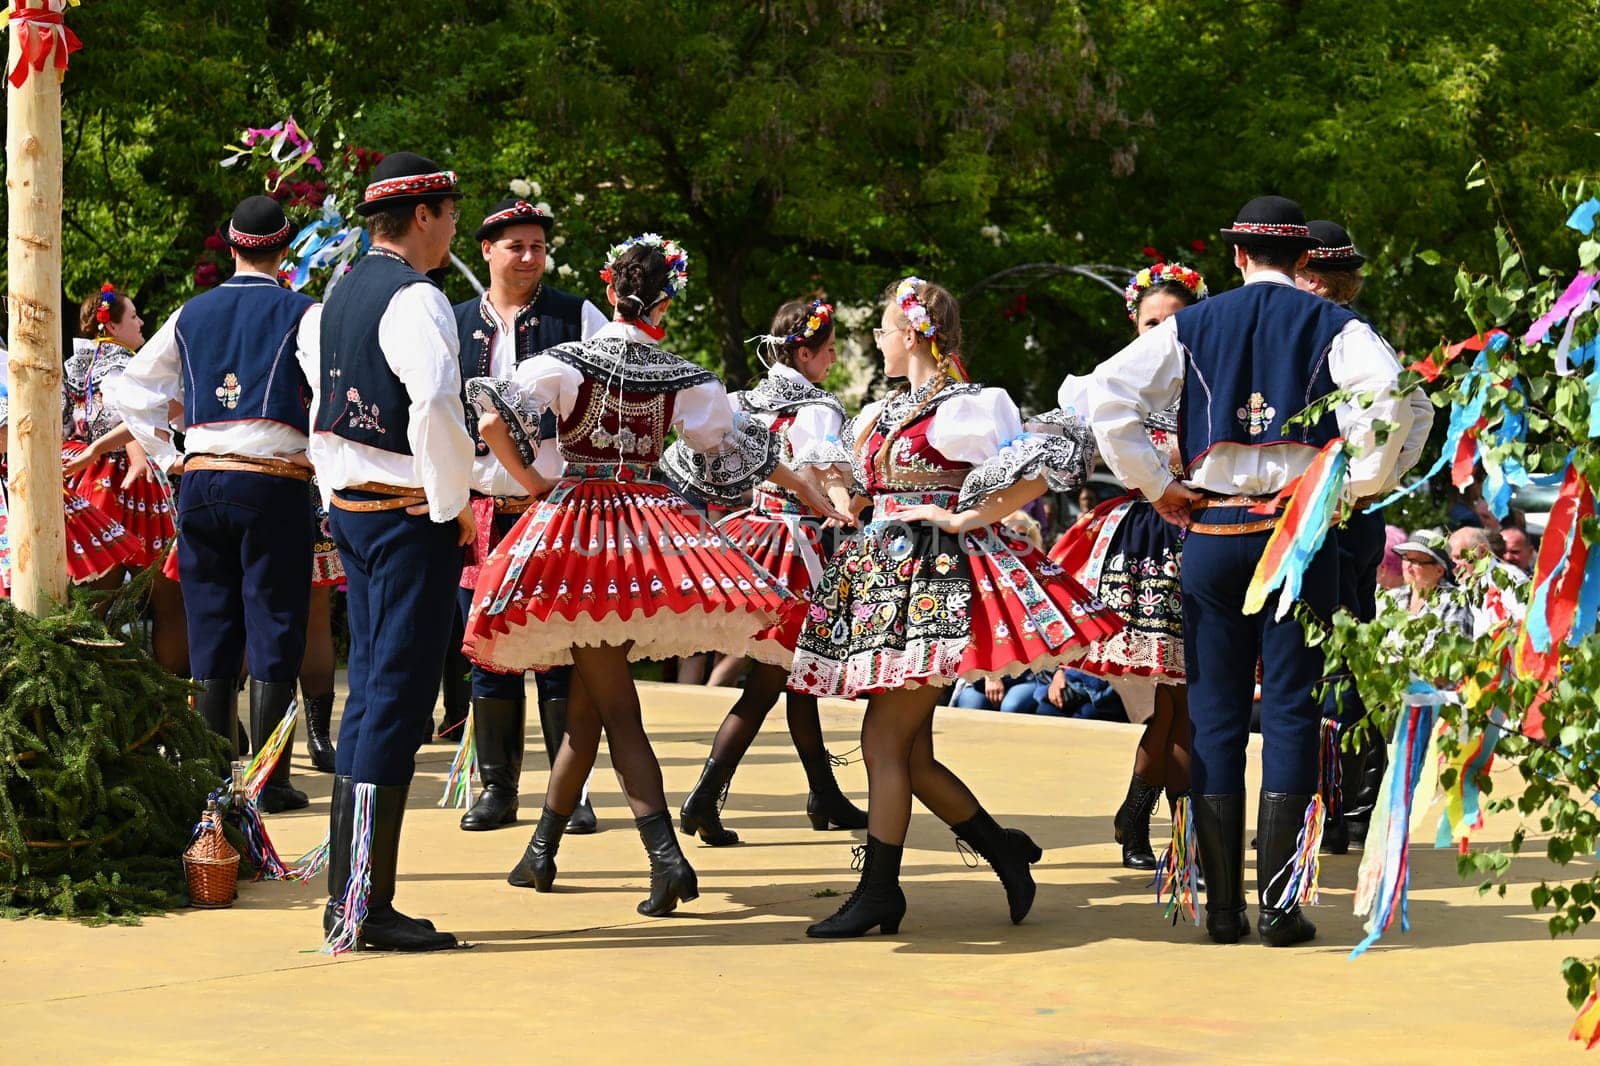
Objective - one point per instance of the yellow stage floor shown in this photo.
(1094, 976)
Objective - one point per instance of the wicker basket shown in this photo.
(212, 864)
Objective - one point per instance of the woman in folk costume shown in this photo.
(115, 476)
(934, 589)
(610, 567)
(775, 533)
(96, 543)
(1129, 555)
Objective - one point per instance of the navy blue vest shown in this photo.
(1257, 356)
(553, 317)
(237, 347)
(362, 399)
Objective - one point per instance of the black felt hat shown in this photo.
(514, 212)
(258, 224)
(1334, 250)
(1271, 221)
(404, 179)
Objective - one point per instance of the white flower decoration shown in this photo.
(520, 187)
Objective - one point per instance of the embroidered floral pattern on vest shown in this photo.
(1257, 415)
(228, 391)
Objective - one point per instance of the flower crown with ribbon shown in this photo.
(1151, 276)
(677, 261)
(108, 299)
(819, 314)
(905, 294)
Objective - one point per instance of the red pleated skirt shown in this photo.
(143, 508)
(603, 561)
(96, 545)
(790, 548)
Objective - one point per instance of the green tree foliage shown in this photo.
(1558, 763)
(801, 148)
(104, 770)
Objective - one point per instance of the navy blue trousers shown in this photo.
(402, 571)
(244, 558)
(1222, 644)
(1360, 545)
(552, 684)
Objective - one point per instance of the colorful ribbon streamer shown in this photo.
(1566, 584)
(1313, 504)
(42, 36)
(1384, 879)
(1178, 873)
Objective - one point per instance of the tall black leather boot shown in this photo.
(1131, 826)
(498, 727)
(319, 720)
(1362, 779)
(672, 879)
(537, 868)
(385, 928)
(1219, 830)
(341, 806)
(702, 809)
(877, 901)
(553, 724)
(826, 804)
(1011, 853)
(269, 701)
(218, 703)
(1279, 819)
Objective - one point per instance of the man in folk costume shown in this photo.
(244, 546)
(519, 317)
(394, 460)
(1333, 271)
(1244, 363)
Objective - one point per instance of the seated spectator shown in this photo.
(1066, 693)
(1428, 589)
(1389, 571)
(1492, 588)
(1518, 548)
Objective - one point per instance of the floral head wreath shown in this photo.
(819, 314)
(677, 263)
(1151, 276)
(108, 299)
(905, 294)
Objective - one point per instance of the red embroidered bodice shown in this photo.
(615, 426)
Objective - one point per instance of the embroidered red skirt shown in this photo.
(788, 546)
(606, 561)
(142, 508)
(905, 604)
(96, 545)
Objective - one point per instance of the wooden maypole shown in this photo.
(39, 45)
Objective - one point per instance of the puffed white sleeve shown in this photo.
(1140, 380)
(719, 452)
(538, 385)
(144, 390)
(985, 429)
(1360, 362)
(815, 438)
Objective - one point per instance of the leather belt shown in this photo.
(250, 464)
(396, 497)
(1232, 529)
(1232, 501)
(512, 504)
